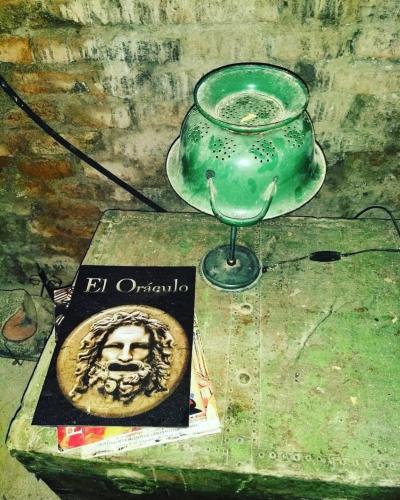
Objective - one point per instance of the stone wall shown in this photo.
(115, 77)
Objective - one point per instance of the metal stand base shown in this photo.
(243, 274)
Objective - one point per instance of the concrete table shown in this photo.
(305, 367)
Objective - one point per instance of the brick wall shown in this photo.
(116, 78)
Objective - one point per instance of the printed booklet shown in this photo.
(101, 441)
(123, 352)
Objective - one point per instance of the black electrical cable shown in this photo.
(74, 150)
(333, 255)
(295, 259)
(348, 254)
(382, 208)
(327, 256)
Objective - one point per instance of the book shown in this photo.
(123, 350)
(203, 420)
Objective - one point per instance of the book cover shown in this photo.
(123, 350)
(203, 420)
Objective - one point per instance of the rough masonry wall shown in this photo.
(115, 77)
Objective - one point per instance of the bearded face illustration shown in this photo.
(124, 355)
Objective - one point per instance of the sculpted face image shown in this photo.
(125, 354)
(123, 357)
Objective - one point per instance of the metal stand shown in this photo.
(231, 267)
(232, 244)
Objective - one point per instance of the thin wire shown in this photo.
(382, 208)
(296, 259)
(394, 250)
(347, 254)
(73, 149)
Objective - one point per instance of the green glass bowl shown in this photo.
(247, 131)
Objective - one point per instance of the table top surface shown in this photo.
(304, 365)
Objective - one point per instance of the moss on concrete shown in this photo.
(304, 365)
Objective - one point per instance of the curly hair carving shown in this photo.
(91, 345)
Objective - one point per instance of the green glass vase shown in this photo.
(246, 152)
